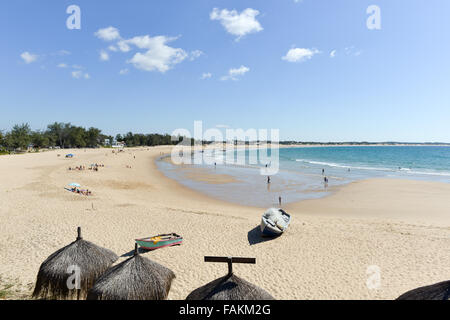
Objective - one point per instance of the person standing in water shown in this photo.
(279, 201)
(268, 179)
(323, 171)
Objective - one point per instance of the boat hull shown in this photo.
(151, 244)
(268, 231)
(270, 227)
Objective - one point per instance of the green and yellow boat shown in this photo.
(160, 241)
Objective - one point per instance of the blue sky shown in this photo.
(388, 84)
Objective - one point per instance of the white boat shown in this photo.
(274, 222)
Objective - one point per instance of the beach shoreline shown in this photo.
(324, 254)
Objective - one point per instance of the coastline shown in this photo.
(323, 255)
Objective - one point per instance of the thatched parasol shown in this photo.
(438, 291)
(229, 287)
(71, 271)
(137, 278)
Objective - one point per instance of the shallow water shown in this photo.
(300, 171)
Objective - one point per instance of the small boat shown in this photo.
(274, 222)
(160, 241)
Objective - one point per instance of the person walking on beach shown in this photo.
(279, 201)
(268, 179)
(323, 171)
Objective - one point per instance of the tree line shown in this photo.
(66, 135)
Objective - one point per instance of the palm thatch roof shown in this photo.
(229, 287)
(53, 277)
(137, 278)
(438, 291)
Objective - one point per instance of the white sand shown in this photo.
(403, 227)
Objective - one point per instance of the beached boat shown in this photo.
(274, 222)
(160, 241)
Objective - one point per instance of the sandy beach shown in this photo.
(400, 226)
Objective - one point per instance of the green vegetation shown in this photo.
(5, 291)
(154, 139)
(65, 135)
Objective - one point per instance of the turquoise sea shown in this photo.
(300, 171)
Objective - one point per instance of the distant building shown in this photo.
(118, 144)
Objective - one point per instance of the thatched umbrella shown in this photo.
(438, 291)
(71, 271)
(229, 287)
(137, 278)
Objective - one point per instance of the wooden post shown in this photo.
(79, 233)
(230, 261)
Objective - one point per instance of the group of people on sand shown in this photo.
(96, 166)
(79, 168)
(86, 192)
(93, 167)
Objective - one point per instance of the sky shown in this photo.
(310, 68)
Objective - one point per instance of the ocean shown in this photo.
(300, 171)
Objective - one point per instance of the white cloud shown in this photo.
(159, 56)
(108, 34)
(351, 51)
(195, 54)
(156, 54)
(300, 54)
(62, 53)
(104, 56)
(333, 54)
(77, 74)
(238, 24)
(234, 73)
(123, 46)
(29, 57)
(124, 71)
(80, 74)
(206, 75)
(62, 65)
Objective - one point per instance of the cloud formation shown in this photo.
(80, 74)
(108, 34)
(104, 56)
(300, 54)
(238, 24)
(235, 73)
(158, 55)
(155, 54)
(28, 57)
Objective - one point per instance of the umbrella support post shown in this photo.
(230, 261)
